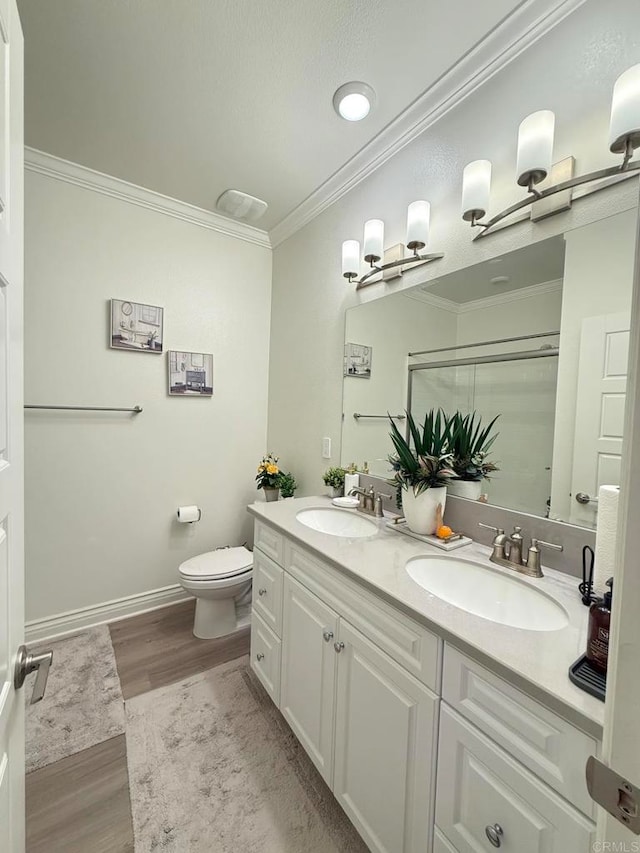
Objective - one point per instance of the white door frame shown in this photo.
(621, 738)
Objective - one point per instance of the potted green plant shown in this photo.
(422, 471)
(287, 484)
(334, 478)
(470, 444)
(268, 477)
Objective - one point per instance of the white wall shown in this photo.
(571, 71)
(102, 490)
(598, 280)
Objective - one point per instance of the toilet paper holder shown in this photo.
(183, 513)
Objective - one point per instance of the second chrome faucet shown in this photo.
(508, 551)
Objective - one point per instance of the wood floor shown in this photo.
(159, 648)
(81, 804)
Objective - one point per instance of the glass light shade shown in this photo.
(418, 214)
(476, 189)
(625, 111)
(354, 107)
(535, 147)
(350, 258)
(373, 240)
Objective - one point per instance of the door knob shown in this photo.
(27, 663)
(338, 647)
(262, 592)
(327, 636)
(584, 498)
(260, 656)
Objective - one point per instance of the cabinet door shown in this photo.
(309, 665)
(386, 724)
(482, 790)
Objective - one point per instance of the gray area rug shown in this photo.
(83, 703)
(213, 768)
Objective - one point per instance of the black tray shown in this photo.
(588, 678)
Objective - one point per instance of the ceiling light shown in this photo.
(500, 279)
(535, 152)
(353, 101)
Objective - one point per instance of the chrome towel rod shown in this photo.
(135, 410)
(357, 416)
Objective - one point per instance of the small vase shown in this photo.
(420, 510)
(470, 489)
(336, 493)
(271, 494)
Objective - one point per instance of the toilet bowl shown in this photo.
(218, 580)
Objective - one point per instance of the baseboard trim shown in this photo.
(62, 624)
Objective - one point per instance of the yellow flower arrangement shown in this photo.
(268, 473)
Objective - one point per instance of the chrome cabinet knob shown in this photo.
(262, 592)
(494, 834)
(327, 636)
(260, 656)
(338, 647)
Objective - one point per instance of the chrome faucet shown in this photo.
(507, 551)
(368, 502)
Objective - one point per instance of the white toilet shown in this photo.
(218, 580)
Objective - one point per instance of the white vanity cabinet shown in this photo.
(375, 698)
(368, 724)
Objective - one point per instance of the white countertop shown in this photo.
(536, 661)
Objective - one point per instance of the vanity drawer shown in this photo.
(479, 786)
(269, 541)
(410, 644)
(551, 747)
(265, 656)
(441, 844)
(268, 591)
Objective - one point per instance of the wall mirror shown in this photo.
(539, 336)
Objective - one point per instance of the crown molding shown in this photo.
(532, 20)
(81, 176)
(488, 301)
(511, 296)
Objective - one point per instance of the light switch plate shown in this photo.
(326, 448)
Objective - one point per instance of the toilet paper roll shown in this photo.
(189, 514)
(604, 566)
(350, 482)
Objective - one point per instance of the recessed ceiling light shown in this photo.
(500, 279)
(353, 101)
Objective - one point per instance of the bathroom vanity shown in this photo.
(436, 729)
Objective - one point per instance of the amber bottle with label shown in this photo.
(599, 622)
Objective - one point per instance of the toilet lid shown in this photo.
(225, 563)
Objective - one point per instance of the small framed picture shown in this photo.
(190, 374)
(136, 326)
(357, 361)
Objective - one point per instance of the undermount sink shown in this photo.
(337, 522)
(487, 593)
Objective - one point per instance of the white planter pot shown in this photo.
(420, 511)
(471, 489)
(336, 493)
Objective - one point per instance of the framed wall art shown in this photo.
(136, 326)
(190, 374)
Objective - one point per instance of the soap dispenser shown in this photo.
(598, 637)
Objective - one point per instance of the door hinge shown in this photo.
(614, 793)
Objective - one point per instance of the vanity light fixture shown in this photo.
(535, 156)
(418, 216)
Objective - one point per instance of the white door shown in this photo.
(600, 403)
(621, 741)
(384, 748)
(309, 672)
(11, 412)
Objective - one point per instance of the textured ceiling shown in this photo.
(191, 97)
